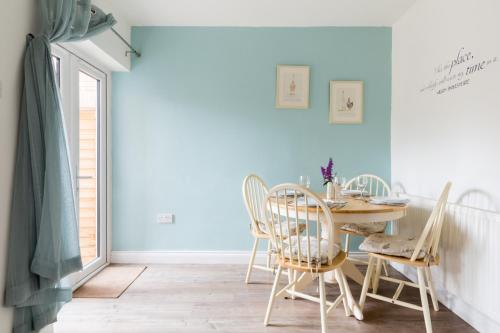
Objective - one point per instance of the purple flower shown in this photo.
(327, 172)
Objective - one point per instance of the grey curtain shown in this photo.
(43, 242)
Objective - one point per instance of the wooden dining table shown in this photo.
(356, 210)
(360, 210)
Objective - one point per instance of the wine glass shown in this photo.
(343, 182)
(305, 181)
(395, 193)
(361, 183)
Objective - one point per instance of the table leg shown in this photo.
(355, 309)
(351, 271)
(305, 280)
(330, 276)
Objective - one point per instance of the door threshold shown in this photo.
(90, 276)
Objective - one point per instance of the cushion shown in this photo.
(400, 246)
(365, 229)
(314, 249)
(284, 228)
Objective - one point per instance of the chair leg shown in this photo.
(322, 302)
(384, 265)
(346, 248)
(252, 258)
(376, 277)
(423, 297)
(268, 263)
(273, 296)
(432, 291)
(292, 275)
(366, 283)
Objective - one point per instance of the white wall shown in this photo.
(452, 135)
(440, 133)
(16, 20)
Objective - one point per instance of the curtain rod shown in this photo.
(132, 50)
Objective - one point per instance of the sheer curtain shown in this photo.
(43, 241)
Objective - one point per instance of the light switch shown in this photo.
(165, 218)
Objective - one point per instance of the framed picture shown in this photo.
(292, 87)
(346, 102)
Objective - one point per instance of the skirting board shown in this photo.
(473, 317)
(193, 257)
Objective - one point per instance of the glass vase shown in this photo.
(330, 191)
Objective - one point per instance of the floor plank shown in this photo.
(214, 298)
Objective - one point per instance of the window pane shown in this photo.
(88, 167)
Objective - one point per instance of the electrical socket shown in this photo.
(165, 218)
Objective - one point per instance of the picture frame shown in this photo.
(292, 86)
(346, 102)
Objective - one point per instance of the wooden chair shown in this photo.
(254, 192)
(423, 256)
(376, 186)
(303, 252)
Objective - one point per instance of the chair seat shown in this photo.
(364, 229)
(336, 262)
(399, 246)
(313, 255)
(425, 262)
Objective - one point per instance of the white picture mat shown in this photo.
(346, 102)
(292, 87)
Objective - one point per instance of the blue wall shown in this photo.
(196, 114)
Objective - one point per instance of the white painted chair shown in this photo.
(254, 192)
(311, 251)
(376, 186)
(419, 253)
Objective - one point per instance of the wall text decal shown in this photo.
(457, 72)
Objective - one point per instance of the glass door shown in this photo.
(89, 155)
(83, 94)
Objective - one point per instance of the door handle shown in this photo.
(85, 177)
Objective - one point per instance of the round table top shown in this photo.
(362, 206)
(355, 206)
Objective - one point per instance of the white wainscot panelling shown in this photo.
(468, 276)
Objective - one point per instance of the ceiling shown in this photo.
(257, 13)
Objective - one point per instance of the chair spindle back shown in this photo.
(429, 239)
(285, 208)
(254, 190)
(376, 186)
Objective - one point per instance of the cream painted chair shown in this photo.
(303, 252)
(421, 253)
(376, 186)
(254, 192)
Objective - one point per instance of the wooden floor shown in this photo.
(214, 298)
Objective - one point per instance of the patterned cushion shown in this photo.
(365, 229)
(284, 228)
(314, 249)
(400, 246)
